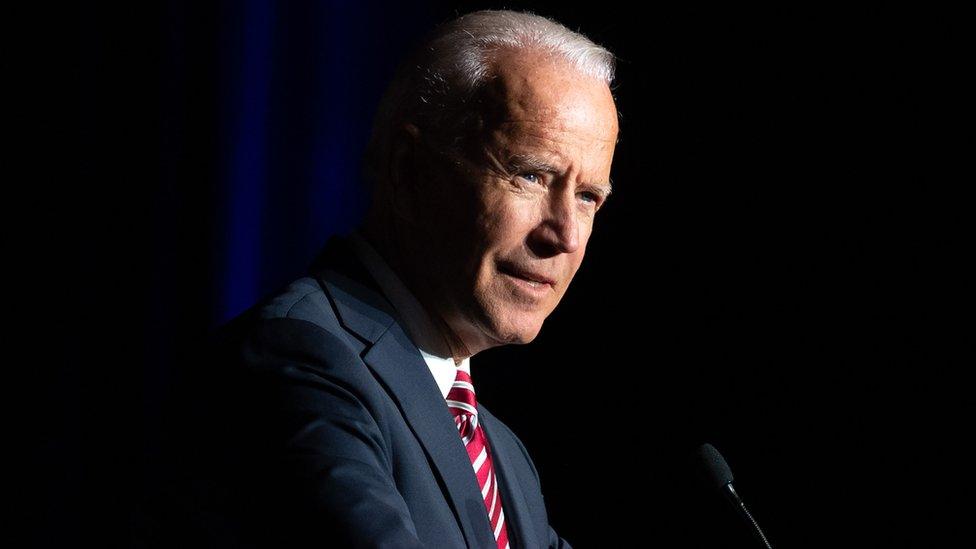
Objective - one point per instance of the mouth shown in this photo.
(533, 279)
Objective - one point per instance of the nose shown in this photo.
(559, 230)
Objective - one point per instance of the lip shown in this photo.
(526, 275)
(532, 290)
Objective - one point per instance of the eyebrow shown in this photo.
(529, 162)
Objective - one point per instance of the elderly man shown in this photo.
(353, 413)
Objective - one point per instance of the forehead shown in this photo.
(534, 91)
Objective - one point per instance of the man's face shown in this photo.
(521, 207)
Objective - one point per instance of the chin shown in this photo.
(519, 334)
(508, 324)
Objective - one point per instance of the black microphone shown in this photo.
(718, 474)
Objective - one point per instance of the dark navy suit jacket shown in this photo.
(335, 432)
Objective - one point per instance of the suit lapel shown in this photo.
(513, 499)
(408, 379)
(397, 362)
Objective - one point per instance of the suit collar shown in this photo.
(359, 303)
(396, 361)
(419, 325)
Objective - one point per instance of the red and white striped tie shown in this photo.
(463, 406)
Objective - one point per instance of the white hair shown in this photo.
(436, 87)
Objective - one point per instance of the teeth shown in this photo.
(534, 284)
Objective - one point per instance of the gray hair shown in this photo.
(436, 87)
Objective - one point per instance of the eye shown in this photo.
(592, 197)
(531, 177)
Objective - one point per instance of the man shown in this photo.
(352, 418)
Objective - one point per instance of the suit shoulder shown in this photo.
(296, 320)
(302, 299)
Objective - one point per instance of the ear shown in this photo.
(403, 176)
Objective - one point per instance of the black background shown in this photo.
(783, 271)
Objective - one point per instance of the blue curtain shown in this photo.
(297, 86)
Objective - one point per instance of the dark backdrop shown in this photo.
(781, 270)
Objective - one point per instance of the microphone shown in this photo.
(718, 474)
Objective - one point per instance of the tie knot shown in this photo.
(461, 397)
(463, 377)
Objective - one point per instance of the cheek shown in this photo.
(509, 219)
(514, 217)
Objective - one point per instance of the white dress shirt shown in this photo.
(419, 327)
